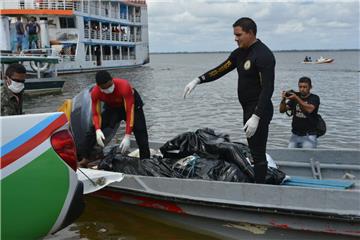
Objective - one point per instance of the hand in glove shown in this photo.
(251, 125)
(125, 143)
(191, 85)
(100, 137)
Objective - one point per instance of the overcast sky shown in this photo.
(206, 25)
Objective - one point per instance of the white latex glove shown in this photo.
(125, 143)
(251, 125)
(191, 85)
(100, 137)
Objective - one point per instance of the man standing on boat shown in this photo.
(13, 89)
(255, 64)
(122, 102)
(304, 107)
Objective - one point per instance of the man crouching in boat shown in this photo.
(121, 102)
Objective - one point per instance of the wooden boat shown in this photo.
(313, 210)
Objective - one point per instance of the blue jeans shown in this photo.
(307, 141)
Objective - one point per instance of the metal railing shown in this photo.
(94, 34)
(44, 4)
(116, 57)
(105, 35)
(86, 33)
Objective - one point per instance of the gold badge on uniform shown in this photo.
(247, 65)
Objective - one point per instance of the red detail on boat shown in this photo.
(139, 200)
(282, 226)
(33, 142)
(64, 145)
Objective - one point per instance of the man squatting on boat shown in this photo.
(121, 102)
(255, 64)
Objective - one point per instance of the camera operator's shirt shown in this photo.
(304, 123)
(255, 66)
(122, 96)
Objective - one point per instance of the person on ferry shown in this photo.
(20, 33)
(33, 29)
(255, 64)
(304, 107)
(121, 102)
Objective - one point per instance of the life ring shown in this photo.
(39, 66)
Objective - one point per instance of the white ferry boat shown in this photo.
(87, 35)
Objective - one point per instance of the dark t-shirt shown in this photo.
(304, 123)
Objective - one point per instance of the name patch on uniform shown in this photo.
(247, 65)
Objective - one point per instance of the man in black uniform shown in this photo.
(304, 107)
(255, 65)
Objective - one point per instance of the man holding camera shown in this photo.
(303, 107)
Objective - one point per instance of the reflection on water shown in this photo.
(213, 105)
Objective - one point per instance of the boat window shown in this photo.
(67, 22)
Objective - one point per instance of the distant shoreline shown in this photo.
(314, 50)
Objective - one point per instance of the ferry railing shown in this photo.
(124, 38)
(68, 58)
(104, 12)
(138, 19)
(105, 35)
(138, 1)
(115, 36)
(86, 7)
(106, 57)
(56, 5)
(86, 33)
(123, 16)
(115, 13)
(40, 52)
(116, 57)
(94, 10)
(132, 38)
(95, 34)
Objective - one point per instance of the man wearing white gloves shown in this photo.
(255, 65)
(121, 102)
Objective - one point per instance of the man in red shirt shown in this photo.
(121, 102)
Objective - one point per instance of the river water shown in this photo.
(213, 105)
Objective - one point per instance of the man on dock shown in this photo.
(121, 102)
(255, 64)
(13, 89)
